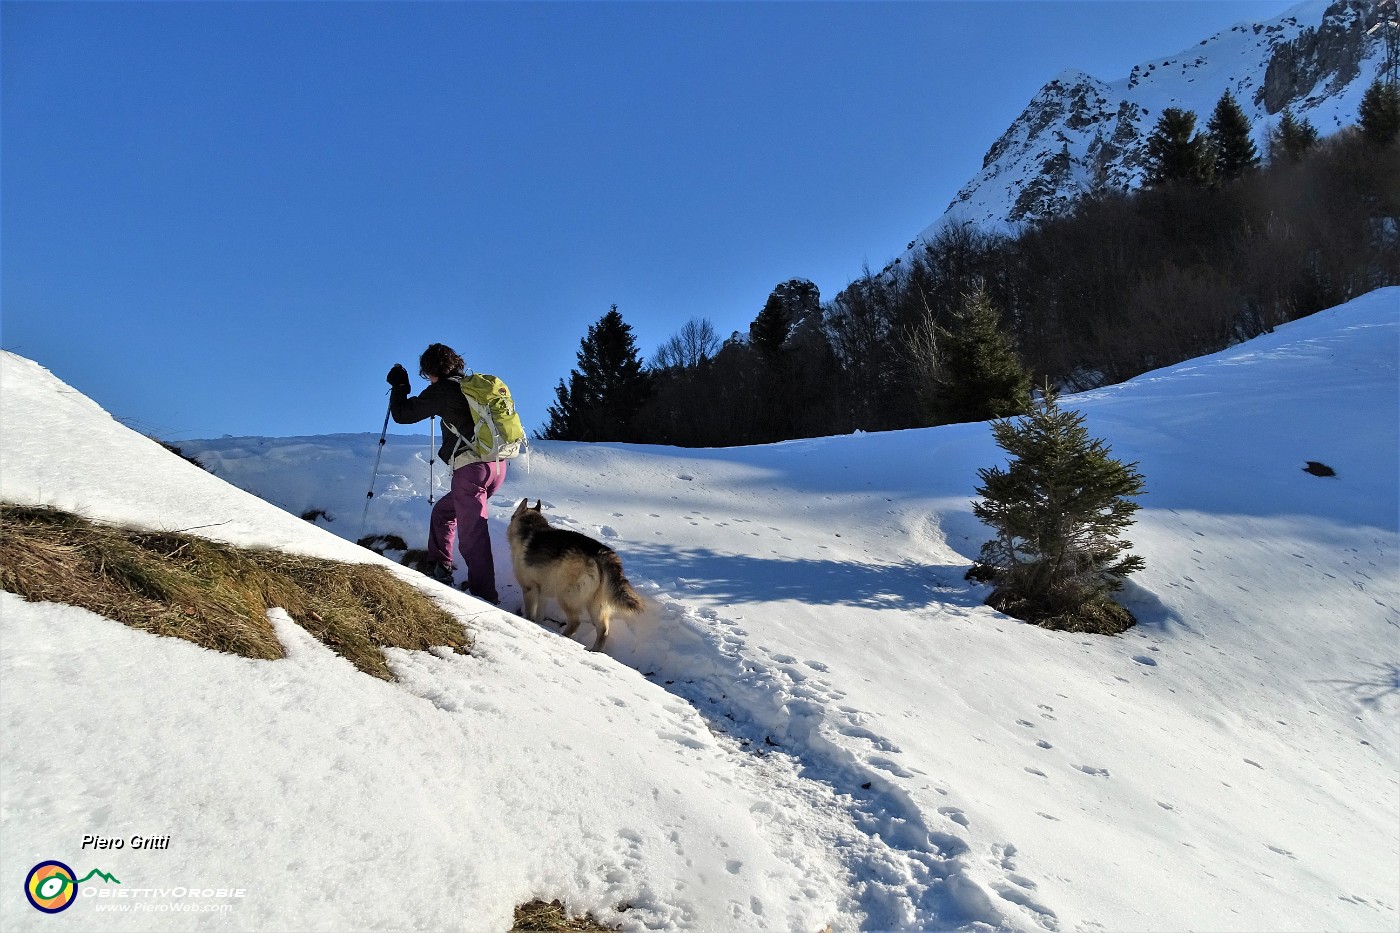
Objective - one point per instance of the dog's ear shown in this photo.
(537, 505)
(520, 507)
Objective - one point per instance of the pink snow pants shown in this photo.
(461, 516)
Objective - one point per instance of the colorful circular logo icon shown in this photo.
(51, 887)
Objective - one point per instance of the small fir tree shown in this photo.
(607, 389)
(1176, 152)
(1379, 115)
(1057, 510)
(1292, 138)
(982, 375)
(1228, 131)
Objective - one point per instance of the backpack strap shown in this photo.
(456, 447)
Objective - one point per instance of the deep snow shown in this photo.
(816, 723)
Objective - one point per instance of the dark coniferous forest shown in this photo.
(1128, 282)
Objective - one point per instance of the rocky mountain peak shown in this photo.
(1079, 133)
(1319, 61)
(798, 302)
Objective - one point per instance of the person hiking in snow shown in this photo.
(461, 514)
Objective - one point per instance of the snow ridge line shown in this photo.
(904, 874)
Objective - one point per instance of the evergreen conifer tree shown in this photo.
(769, 331)
(1057, 510)
(606, 390)
(1228, 131)
(1379, 115)
(1176, 152)
(1292, 138)
(981, 373)
(563, 414)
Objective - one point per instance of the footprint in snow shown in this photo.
(858, 732)
(885, 764)
(1091, 770)
(1023, 881)
(954, 814)
(1018, 896)
(608, 531)
(1145, 660)
(1002, 855)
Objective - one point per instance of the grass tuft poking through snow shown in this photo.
(213, 594)
(539, 917)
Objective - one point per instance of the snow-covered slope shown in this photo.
(817, 722)
(1080, 132)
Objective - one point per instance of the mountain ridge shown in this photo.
(1080, 133)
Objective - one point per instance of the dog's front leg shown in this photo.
(530, 603)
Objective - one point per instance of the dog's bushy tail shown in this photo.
(623, 597)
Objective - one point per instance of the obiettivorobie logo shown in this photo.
(52, 886)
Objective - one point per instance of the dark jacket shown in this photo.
(443, 399)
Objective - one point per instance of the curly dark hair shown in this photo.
(441, 361)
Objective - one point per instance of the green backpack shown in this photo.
(498, 434)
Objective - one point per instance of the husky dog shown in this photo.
(570, 567)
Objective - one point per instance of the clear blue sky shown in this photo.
(232, 218)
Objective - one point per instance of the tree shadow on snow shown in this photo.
(743, 578)
(1381, 683)
(1149, 610)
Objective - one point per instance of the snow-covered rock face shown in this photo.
(1079, 133)
(1302, 72)
(802, 301)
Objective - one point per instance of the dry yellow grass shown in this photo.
(539, 917)
(216, 595)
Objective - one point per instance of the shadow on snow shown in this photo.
(744, 578)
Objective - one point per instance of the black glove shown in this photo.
(398, 376)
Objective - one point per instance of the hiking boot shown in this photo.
(493, 600)
(442, 573)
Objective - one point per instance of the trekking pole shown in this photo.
(375, 475)
(431, 438)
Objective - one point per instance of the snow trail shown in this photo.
(1228, 764)
(908, 868)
